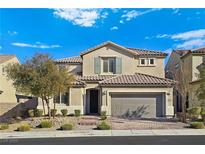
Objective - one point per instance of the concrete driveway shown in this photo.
(125, 124)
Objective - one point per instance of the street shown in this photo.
(110, 140)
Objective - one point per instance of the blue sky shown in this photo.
(67, 32)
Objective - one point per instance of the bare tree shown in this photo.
(182, 86)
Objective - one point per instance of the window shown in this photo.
(152, 61)
(108, 65)
(62, 98)
(142, 61)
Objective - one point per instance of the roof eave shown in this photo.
(104, 44)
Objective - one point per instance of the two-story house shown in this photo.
(122, 81)
(187, 62)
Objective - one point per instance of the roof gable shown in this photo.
(106, 44)
(4, 58)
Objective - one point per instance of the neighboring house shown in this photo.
(122, 81)
(189, 61)
(9, 98)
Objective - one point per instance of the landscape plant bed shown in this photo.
(115, 123)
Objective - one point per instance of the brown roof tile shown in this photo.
(137, 79)
(94, 77)
(4, 58)
(144, 52)
(69, 60)
(78, 83)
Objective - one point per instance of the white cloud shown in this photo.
(114, 28)
(187, 40)
(200, 33)
(121, 21)
(162, 36)
(176, 11)
(81, 17)
(12, 32)
(190, 44)
(36, 45)
(133, 14)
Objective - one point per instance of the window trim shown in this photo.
(108, 65)
(149, 61)
(60, 99)
(145, 60)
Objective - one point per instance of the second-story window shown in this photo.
(143, 61)
(151, 61)
(108, 65)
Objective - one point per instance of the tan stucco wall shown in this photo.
(8, 95)
(130, 63)
(196, 61)
(73, 68)
(76, 98)
(108, 51)
(156, 70)
(106, 99)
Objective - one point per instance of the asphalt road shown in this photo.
(118, 140)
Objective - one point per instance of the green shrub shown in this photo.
(103, 115)
(71, 115)
(53, 112)
(4, 126)
(197, 125)
(38, 113)
(45, 124)
(103, 126)
(64, 112)
(77, 113)
(23, 128)
(31, 113)
(67, 127)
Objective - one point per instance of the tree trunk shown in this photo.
(184, 109)
(54, 109)
(48, 106)
(44, 111)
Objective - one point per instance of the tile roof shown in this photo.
(137, 79)
(4, 58)
(78, 83)
(69, 60)
(94, 77)
(143, 52)
(182, 53)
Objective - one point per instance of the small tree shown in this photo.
(40, 77)
(201, 90)
(182, 86)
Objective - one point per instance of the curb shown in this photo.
(98, 133)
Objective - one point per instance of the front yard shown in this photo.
(91, 122)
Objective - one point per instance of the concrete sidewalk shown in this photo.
(91, 133)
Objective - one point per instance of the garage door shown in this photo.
(137, 105)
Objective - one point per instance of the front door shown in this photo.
(93, 101)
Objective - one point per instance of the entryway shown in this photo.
(92, 101)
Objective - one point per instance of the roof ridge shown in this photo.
(144, 49)
(69, 57)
